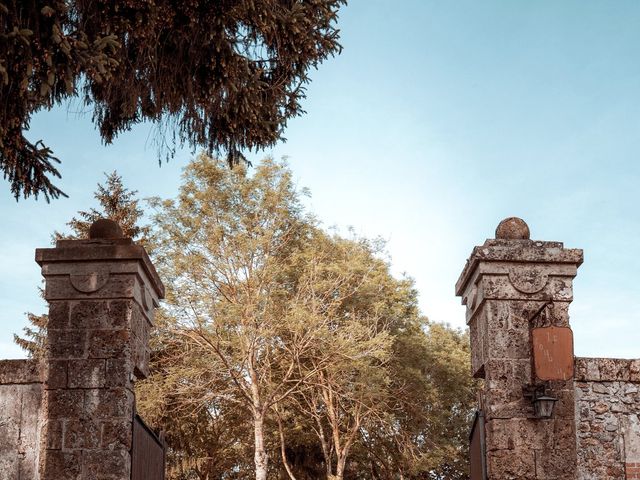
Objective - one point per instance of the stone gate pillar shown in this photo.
(102, 293)
(517, 292)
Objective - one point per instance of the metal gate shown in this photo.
(147, 452)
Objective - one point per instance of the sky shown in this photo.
(439, 119)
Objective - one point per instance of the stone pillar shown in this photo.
(517, 292)
(102, 293)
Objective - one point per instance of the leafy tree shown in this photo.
(223, 248)
(342, 291)
(115, 202)
(282, 342)
(425, 435)
(223, 75)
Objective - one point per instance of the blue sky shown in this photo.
(439, 119)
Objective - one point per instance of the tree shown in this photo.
(115, 202)
(282, 342)
(425, 435)
(223, 75)
(342, 290)
(224, 248)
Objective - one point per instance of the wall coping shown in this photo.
(21, 371)
(607, 370)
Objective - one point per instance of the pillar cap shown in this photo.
(101, 250)
(519, 252)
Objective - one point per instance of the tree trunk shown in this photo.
(340, 467)
(283, 448)
(260, 454)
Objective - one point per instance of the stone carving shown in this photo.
(105, 228)
(144, 295)
(471, 298)
(528, 280)
(89, 282)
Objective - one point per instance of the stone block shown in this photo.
(109, 403)
(109, 343)
(65, 403)
(117, 286)
(555, 463)
(516, 464)
(60, 465)
(634, 371)
(97, 464)
(56, 374)
(64, 344)
(612, 369)
(89, 314)
(58, 316)
(28, 464)
(54, 432)
(116, 434)
(510, 343)
(118, 372)
(10, 465)
(13, 372)
(120, 313)
(89, 373)
(81, 433)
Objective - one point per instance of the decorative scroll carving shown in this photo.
(89, 282)
(528, 279)
(471, 298)
(143, 297)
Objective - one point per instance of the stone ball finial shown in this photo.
(513, 228)
(106, 229)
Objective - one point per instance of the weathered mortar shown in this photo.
(608, 418)
(20, 405)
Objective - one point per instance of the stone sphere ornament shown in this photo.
(105, 228)
(513, 228)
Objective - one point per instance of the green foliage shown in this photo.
(282, 342)
(217, 74)
(34, 336)
(224, 248)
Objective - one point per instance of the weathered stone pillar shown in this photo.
(517, 292)
(101, 293)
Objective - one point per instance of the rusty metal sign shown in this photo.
(477, 449)
(147, 453)
(553, 353)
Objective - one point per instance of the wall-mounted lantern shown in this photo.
(542, 402)
(543, 405)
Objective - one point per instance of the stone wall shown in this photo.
(608, 418)
(20, 404)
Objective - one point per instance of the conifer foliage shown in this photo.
(223, 75)
(116, 202)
